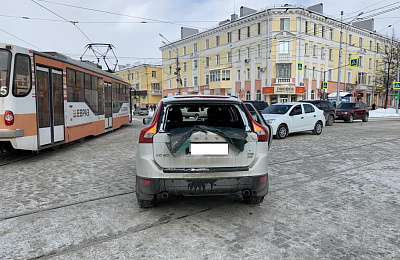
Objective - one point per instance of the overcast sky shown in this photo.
(122, 22)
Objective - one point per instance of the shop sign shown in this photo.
(285, 90)
(268, 90)
(300, 90)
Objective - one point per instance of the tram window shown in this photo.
(75, 84)
(95, 82)
(5, 63)
(22, 75)
(100, 95)
(88, 82)
(91, 96)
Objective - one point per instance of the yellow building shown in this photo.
(145, 80)
(255, 56)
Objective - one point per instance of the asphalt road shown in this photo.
(333, 196)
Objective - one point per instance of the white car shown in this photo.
(200, 145)
(286, 118)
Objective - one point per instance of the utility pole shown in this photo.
(397, 100)
(178, 69)
(340, 61)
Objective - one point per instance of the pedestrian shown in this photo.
(373, 106)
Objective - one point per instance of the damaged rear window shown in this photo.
(210, 115)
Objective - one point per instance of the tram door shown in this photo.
(108, 104)
(50, 105)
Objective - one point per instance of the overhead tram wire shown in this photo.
(113, 13)
(21, 39)
(348, 16)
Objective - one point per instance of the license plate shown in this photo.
(209, 149)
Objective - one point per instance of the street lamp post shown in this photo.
(340, 60)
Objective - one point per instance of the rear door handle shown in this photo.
(302, 117)
(315, 116)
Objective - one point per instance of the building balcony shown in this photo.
(283, 80)
(156, 92)
(283, 57)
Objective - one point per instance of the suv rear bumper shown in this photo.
(258, 185)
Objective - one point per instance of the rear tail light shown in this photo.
(261, 131)
(9, 118)
(144, 182)
(146, 135)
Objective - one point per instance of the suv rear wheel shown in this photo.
(365, 118)
(330, 120)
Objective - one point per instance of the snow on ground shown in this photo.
(381, 112)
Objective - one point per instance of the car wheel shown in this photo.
(330, 120)
(146, 203)
(365, 118)
(254, 199)
(351, 118)
(318, 128)
(282, 132)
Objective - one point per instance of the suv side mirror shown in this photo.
(146, 120)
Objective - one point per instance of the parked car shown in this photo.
(200, 145)
(259, 104)
(349, 111)
(286, 118)
(142, 111)
(327, 107)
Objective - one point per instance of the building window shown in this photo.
(258, 72)
(184, 50)
(184, 82)
(377, 47)
(285, 24)
(128, 77)
(217, 40)
(323, 32)
(306, 27)
(322, 52)
(369, 80)
(258, 28)
(195, 81)
(360, 61)
(229, 57)
(194, 47)
(330, 54)
(248, 74)
(207, 61)
(229, 37)
(315, 29)
(238, 54)
(258, 95)
(207, 79)
(170, 70)
(248, 31)
(349, 76)
(238, 75)
(330, 74)
(305, 71)
(361, 42)
(226, 75)
(370, 63)
(330, 34)
(376, 65)
(314, 51)
(195, 64)
(184, 66)
(169, 84)
(238, 36)
(350, 39)
(312, 94)
(215, 75)
(217, 59)
(306, 49)
(207, 44)
(283, 70)
(248, 52)
(284, 47)
(313, 72)
(258, 50)
(248, 96)
(362, 78)
(153, 74)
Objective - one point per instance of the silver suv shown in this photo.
(199, 145)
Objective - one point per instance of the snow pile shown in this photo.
(381, 112)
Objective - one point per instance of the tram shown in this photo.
(48, 99)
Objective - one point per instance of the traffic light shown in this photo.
(134, 93)
(396, 96)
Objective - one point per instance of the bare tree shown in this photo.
(388, 67)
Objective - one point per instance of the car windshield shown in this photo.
(5, 61)
(346, 105)
(276, 109)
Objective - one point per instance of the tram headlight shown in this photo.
(9, 118)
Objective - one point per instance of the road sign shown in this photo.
(299, 66)
(325, 85)
(396, 85)
(354, 62)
